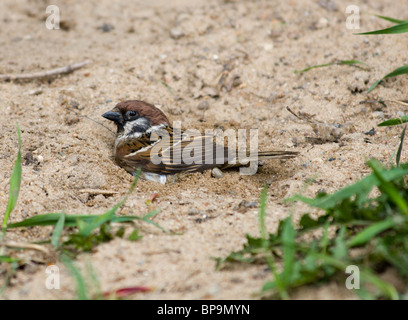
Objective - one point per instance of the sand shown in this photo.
(172, 53)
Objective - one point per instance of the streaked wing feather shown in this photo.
(190, 151)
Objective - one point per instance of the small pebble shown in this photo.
(210, 91)
(35, 92)
(74, 104)
(106, 27)
(236, 280)
(322, 23)
(273, 97)
(329, 5)
(29, 159)
(237, 81)
(83, 197)
(371, 132)
(268, 46)
(192, 212)
(31, 268)
(378, 114)
(176, 33)
(216, 173)
(252, 204)
(203, 105)
(99, 198)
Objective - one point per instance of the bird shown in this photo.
(145, 139)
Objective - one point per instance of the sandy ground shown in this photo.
(171, 53)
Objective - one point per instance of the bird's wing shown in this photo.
(169, 152)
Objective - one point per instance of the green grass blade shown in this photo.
(387, 288)
(352, 62)
(397, 72)
(8, 259)
(399, 28)
(289, 251)
(151, 214)
(398, 158)
(135, 236)
(324, 241)
(340, 62)
(15, 182)
(51, 219)
(388, 188)
(86, 229)
(396, 21)
(56, 235)
(370, 232)
(121, 219)
(314, 67)
(340, 247)
(374, 85)
(81, 286)
(394, 121)
(262, 213)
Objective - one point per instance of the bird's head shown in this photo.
(134, 116)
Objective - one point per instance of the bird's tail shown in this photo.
(263, 155)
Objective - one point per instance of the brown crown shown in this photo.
(147, 110)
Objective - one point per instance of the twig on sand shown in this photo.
(401, 102)
(290, 110)
(43, 74)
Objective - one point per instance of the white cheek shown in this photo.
(131, 124)
(127, 135)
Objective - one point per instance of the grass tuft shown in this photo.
(377, 226)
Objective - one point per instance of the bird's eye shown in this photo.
(132, 114)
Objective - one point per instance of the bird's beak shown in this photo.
(113, 116)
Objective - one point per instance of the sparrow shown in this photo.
(145, 139)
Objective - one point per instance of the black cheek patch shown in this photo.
(141, 125)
